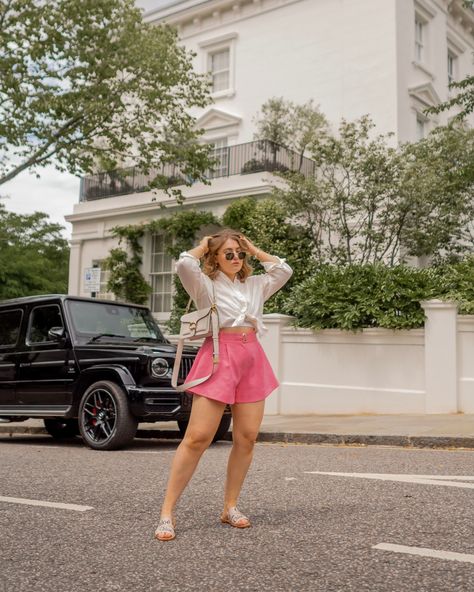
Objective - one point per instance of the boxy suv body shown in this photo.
(90, 367)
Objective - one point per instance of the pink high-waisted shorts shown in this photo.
(243, 375)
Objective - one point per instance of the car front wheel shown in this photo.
(105, 420)
(61, 428)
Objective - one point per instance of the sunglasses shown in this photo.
(229, 256)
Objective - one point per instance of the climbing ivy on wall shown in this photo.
(126, 281)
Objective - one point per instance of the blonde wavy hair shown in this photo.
(211, 267)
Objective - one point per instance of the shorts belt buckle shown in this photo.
(244, 337)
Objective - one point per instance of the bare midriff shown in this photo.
(240, 330)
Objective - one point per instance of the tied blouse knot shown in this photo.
(239, 304)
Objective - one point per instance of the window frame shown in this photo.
(423, 15)
(213, 73)
(30, 322)
(420, 48)
(420, 119)
(160, 314)
(452, 61)
(7, 345)
(216, 45)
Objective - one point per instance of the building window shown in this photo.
(103, 294)
(219, 69)
(419, 39)
(451, 67)
(420, 127)
(221, 154)
(161, 274)
(219, 61)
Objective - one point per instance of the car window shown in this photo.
(91, 318)
(42, 319)
(10, 322)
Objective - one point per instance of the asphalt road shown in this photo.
(311, 531)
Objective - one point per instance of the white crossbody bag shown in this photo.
(197, 325)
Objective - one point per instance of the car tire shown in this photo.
(105, 420)
(221, 430)
(62, 428)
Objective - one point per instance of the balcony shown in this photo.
(242, 159)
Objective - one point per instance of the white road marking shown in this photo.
(30, 502)
(146, 451)
(290, 478)
(446, 480)
(424, 552)
(30, 445)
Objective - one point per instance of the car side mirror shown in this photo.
(56, 333)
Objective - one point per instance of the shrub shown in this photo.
(354, 297)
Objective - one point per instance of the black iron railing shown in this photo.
(252, 157)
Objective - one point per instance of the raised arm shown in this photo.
(189, 270)
(278, 272)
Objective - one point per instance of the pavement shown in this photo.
(418, 431)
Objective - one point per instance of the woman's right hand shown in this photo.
(204, 244)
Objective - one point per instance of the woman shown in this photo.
(243, 378)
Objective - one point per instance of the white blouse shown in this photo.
(239, 304)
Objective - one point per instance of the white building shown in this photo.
(386, 58)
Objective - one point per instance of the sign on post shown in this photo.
(92, 279)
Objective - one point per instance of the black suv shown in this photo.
(90, 367)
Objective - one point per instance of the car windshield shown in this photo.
(96, 321)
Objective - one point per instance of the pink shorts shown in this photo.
(243, 375)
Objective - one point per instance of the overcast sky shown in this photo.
(54, 193)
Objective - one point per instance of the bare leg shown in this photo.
(246, 420)
(205, 417)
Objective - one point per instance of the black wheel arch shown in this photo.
(113, 372)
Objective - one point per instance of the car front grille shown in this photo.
(185, 367)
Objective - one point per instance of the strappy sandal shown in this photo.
(165, 530)
(234, 517)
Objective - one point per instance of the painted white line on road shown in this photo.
(30, 502)
(424, 552)
(29, 444)
(290, 478)
(447, 481)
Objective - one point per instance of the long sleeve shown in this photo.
(193, 279)
(275, 277)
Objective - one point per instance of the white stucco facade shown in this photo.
(385, 58)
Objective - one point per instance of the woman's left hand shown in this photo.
(248, 245)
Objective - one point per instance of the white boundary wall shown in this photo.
(374, 371)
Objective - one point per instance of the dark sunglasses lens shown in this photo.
(230, 256)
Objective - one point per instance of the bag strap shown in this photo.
(215, 350)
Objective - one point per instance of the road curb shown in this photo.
(300, 438)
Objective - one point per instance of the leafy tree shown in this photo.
(349, 208)
(289, 124)
(33, 255)
(369, 202)
(436, 186)
(88, 84)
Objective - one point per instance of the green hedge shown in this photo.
(360, 296)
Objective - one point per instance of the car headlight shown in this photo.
(160, 367)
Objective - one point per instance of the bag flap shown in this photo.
(196, 316)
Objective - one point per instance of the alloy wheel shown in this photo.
(99, 415)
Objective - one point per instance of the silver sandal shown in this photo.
(234, 517)
(165, 530)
